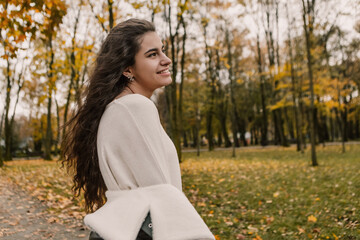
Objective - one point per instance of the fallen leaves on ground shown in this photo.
(48, 182)
(276, 194)
(260, 194)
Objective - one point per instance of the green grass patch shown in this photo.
(274, 193)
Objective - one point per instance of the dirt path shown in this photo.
(25, 217)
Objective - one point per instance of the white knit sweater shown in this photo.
(140, 167)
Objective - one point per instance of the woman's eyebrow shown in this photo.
(153, 49)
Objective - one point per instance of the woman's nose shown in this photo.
(165, 60)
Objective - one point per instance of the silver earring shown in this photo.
(131, 78)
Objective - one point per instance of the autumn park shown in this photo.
(264, 111)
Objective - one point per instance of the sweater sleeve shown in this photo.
(133, 148)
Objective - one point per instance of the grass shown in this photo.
(269, 193)
(274, 193)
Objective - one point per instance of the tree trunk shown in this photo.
(308, 33)
(302, 116)
(299, 137)
(210, 109)
(185, 139)
(57, 142)
(341, 126)
(276, 128)
(182, 76)
(111, 15)
(8, 127)
(264, 122)
(332, 126)
(1, 127)
(193, 136)
(344, 115)
(219, 140)
(273, 56)
(48, 137)
(209, 119)
(222, 118)
(172, 103)
(324, 121)
(318, 126)
(289, 125)
(283, 139)
(235, 118)
(74, 76)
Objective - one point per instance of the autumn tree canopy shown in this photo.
(245, 72)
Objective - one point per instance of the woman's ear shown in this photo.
(127, 72)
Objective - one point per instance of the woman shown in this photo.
(119, 150)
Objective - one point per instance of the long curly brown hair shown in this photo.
(79, 152)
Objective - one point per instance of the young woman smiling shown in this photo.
(117, 149)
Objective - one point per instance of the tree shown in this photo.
(299, 137)
(17, 29)
(171, 91)
(106, 7)
(54, 12)
(210, 79)
(308, 24)
(271, 8)
(78, 56)
(253, 10)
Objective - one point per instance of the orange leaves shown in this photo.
(221, 180)
(312, 219)
(17, 21)
(257, 237)
(21, 37)
(49, 183)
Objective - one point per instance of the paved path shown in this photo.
(25, 217)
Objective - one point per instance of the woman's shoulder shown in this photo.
(132, 103)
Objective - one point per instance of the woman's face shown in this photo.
(151, 68)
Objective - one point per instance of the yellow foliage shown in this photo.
(280, 75)
(137, 5)
(312, 218)
(205, 21)
(280, 104)
(101, 20)
(239, 81)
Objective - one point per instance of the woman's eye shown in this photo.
(152, 54)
